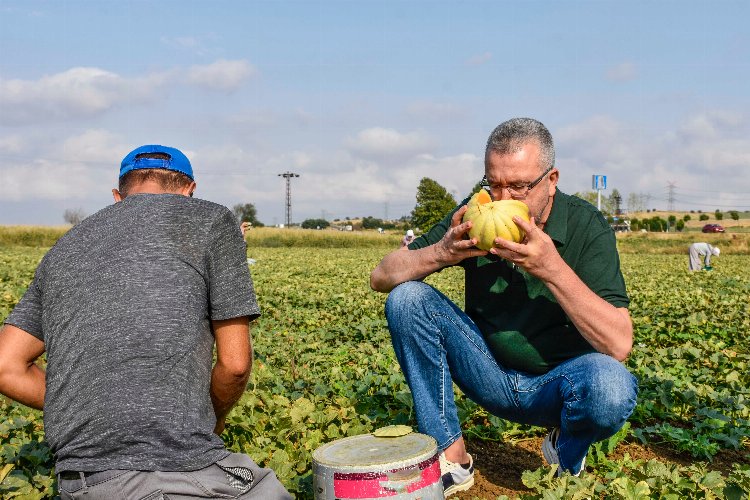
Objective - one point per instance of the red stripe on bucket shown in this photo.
(376, 484)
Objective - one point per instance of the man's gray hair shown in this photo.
(510, 136)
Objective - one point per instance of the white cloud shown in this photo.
(479, 59)
(222, 75)
(77, 92)
(622, 72)
(11, 144)
(379, 142)
(79, 167)
(698, 156)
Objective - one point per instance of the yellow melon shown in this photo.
(494, 219)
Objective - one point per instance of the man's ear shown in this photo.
(188, 190)
(116, 195)
(554, 176)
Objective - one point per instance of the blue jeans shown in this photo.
(588, 397)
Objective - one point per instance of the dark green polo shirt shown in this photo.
(524, 326)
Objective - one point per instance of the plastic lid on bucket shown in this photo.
(368, 450)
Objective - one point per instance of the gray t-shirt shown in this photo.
(123, 303)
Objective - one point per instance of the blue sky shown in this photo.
(364, 98)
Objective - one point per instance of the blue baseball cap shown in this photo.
(177, 161)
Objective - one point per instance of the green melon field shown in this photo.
(325, 369)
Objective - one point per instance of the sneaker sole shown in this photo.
(459, 487)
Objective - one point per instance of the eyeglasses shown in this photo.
(516, 191)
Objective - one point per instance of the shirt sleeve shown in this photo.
(27, 315)
(231, 291)
(437, 231)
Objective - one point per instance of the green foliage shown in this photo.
(591, 197)
(325, 369)
(718, 214)
(636, 480)
(26, 463)
(315, 224)
(680, 226)
(30, 236)
(476, 188)
(686, 217)
(433, 203)
(374, 223)
(703, 217)
(247, 213)
(271, 237)
(656, 224)
(734, 215)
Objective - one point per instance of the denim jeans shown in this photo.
(588, 397)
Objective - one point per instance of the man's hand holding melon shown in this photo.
(504, 228)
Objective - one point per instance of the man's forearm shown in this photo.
(27, 386)
(403, 265)
(226, 389)
(20, 378)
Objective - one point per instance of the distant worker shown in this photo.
(699, 249)
(408, 238)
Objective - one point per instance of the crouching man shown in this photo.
(546, 324)
(128, 306)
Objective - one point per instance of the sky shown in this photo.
(362, 99)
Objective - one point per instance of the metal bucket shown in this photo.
(369, 467)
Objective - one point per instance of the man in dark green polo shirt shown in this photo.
(546, 324)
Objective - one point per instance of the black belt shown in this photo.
(70, 475)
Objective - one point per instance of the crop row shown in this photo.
(325, 369)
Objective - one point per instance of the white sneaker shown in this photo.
(549, 450)
(456, 477)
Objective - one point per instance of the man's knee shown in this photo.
(406, 297)
(609, 393)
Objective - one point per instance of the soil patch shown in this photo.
(499, 465)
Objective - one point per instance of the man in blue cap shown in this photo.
(128, 306)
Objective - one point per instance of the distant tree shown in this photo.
(672, 219)
(477, 187)
(636, 202)
(74, 216)
(315, 224)
(703, 217)
(680, 225)
(656, 224)
(370, 222)
(247, 213)
(686, 217)
(374, 223)
(718, 214)
(590, 196)
(734, 214)
(433, 203)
